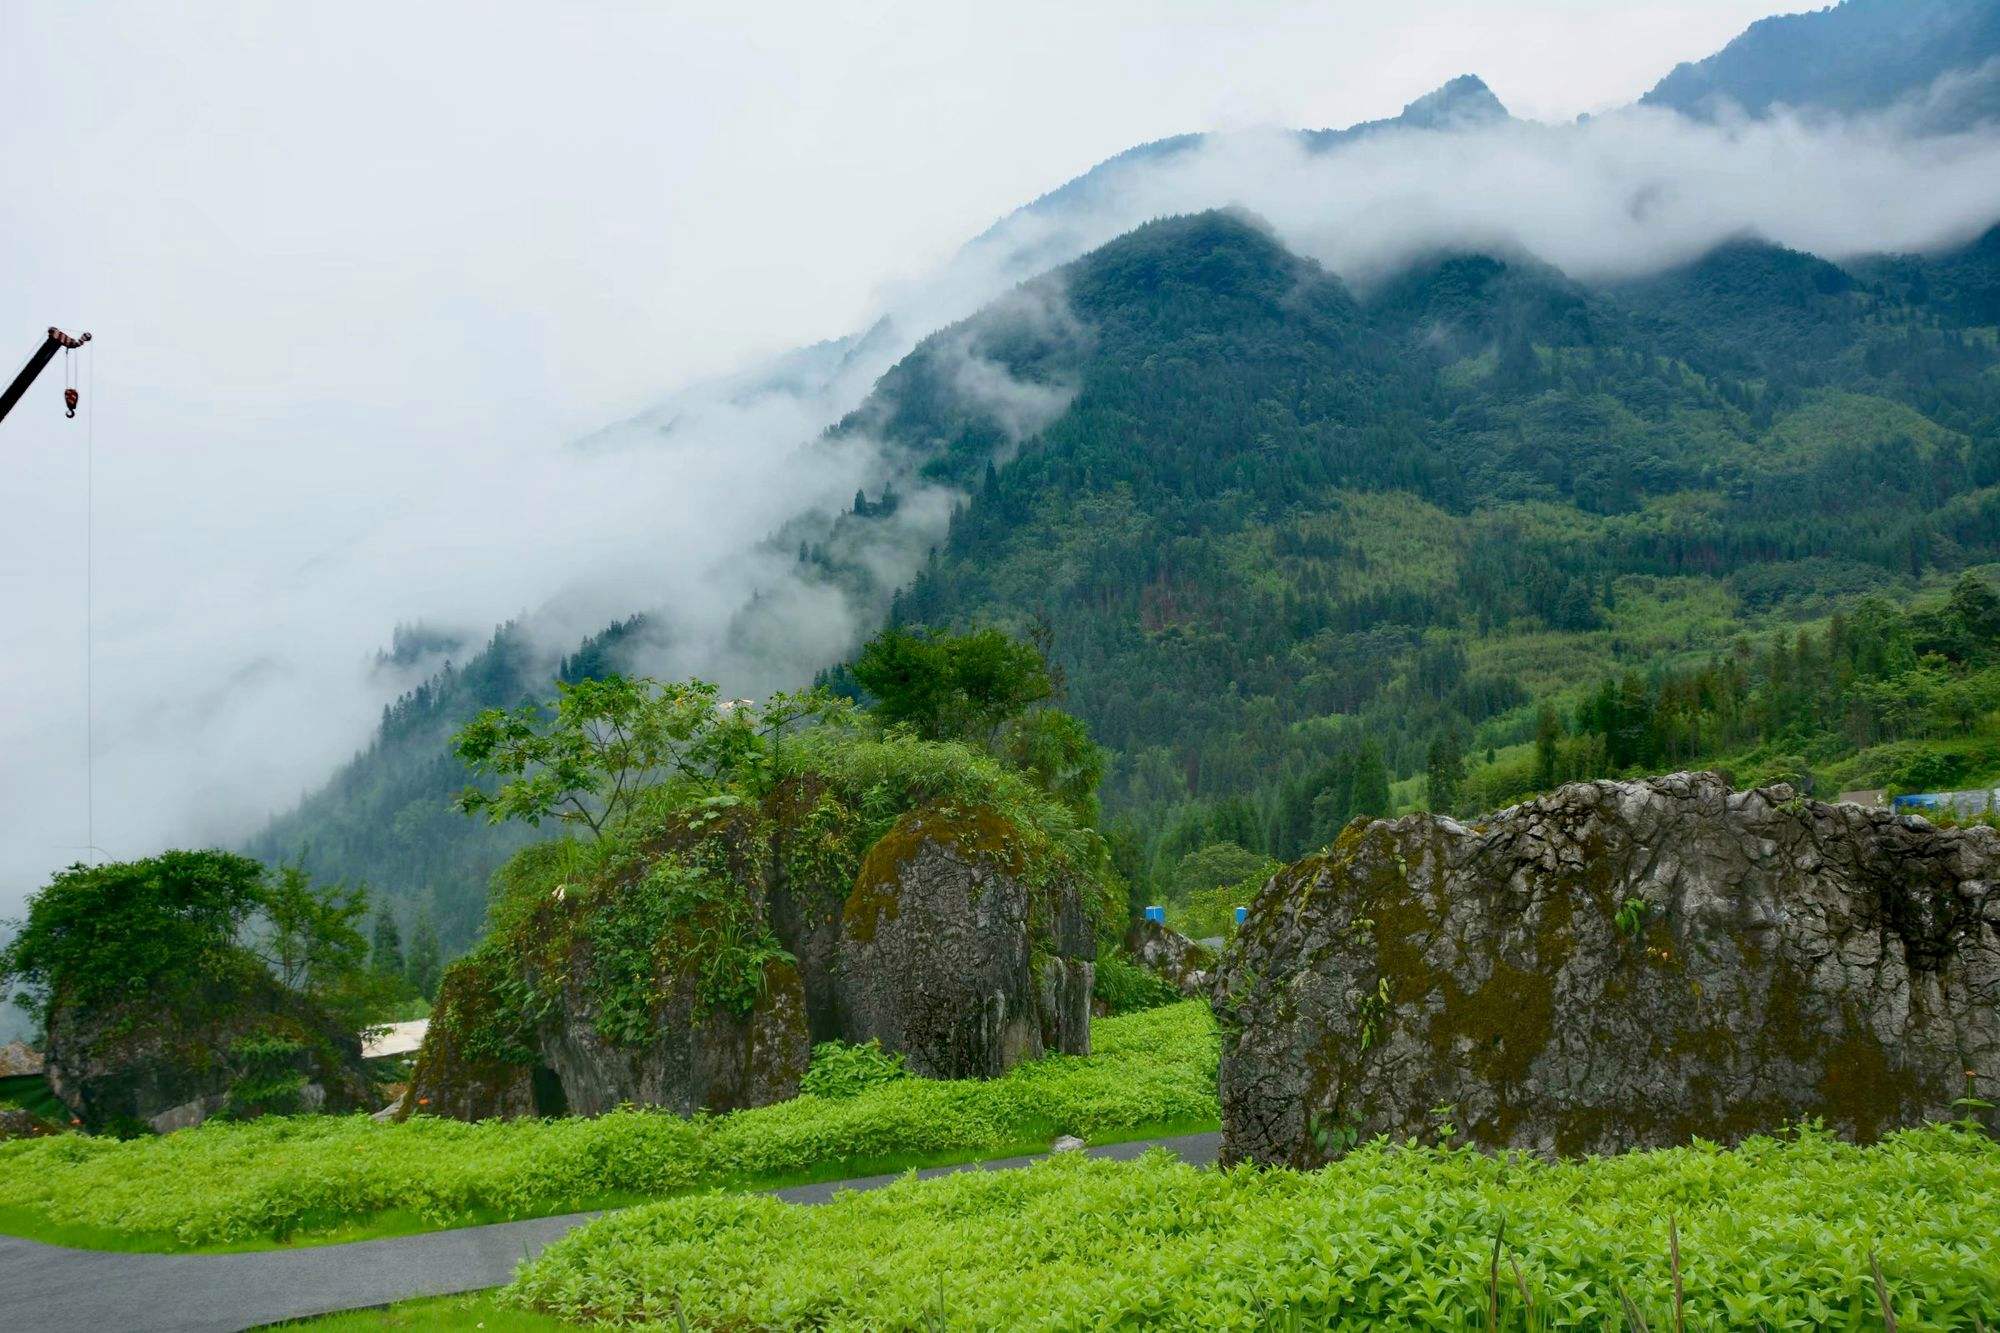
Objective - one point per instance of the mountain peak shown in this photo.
(1465, 101)
(1856, 56)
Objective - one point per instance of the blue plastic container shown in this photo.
(1158, 914)
(1241, 912)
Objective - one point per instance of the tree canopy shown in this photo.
(154, 931)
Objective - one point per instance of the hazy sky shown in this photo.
(353, 270)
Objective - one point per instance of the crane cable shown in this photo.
(89, 602)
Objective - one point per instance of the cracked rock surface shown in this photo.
(1615, 965)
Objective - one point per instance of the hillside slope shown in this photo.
(1859, 55)
(1276, 519)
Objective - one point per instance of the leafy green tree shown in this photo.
(1056, 751)
(1212, 867)
(310, 937)
(586, 760)
(128, 930)
(157, 931)
(952, 686)
(425, 963)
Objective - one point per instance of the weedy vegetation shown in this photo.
(324, 1178)
(1800, 1231)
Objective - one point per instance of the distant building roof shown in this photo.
(395, 1039)
(1979, 801)
(19, 1060)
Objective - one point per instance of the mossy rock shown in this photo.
(167, 1062)
(478, 1061)
(946, 945)
(1616, 965)
(694, 1057)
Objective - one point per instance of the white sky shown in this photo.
(348, 264)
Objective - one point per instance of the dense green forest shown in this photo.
(386, 819)
(1286, 532)
(1303, 551)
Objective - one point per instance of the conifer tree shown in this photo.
(1371, 782)
(425, 963)
(1445, 771)
(387, 951)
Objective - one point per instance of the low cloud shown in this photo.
(237, 645)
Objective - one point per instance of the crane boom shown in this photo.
(55, 342)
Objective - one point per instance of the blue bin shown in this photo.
(1241, 912)
(1158, 914)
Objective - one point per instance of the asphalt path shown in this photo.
(51, 1289)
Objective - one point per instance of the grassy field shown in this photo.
(1778, 1232)
(321, 1179)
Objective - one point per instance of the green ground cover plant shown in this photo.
(483, 1309)
(1783, 1232)
(328, 1178)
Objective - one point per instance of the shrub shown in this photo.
(1124, 987)
(271, 1082)
(1777, 1233)
(841, 1070)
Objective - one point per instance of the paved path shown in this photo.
(48, 1289)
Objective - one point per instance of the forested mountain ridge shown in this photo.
(1472, 484)
(1856, 56)
(1277, 521)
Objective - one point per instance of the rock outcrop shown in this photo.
(1615, 965)
(19, 1060)
(950, 957)
(149, 1066)
(1185, 964)
(477, 1062)
(693, 966)
(695, 1057)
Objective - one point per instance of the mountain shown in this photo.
(1269, 516)
(1274, 517)
(1277, 519)
(1857, 56)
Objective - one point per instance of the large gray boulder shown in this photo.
(948, 956)
(165, 1063)
(695, 1058)
(811, 875)
(1615, 965)
(1185, 964)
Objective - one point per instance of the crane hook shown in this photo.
(69, 401)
